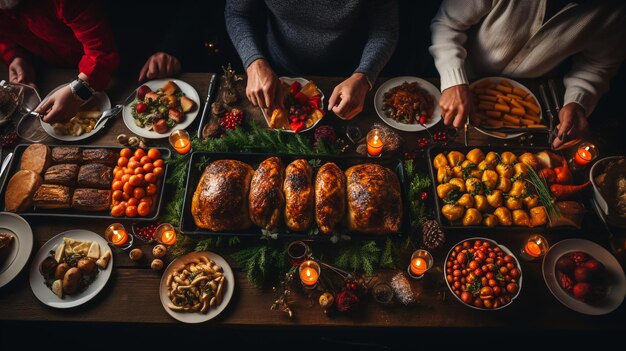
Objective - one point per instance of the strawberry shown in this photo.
(300, 98)
(315, 102)
(296, 126)
(295, 87)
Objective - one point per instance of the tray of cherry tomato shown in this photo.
(482, 274)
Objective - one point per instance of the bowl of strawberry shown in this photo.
(303, 106)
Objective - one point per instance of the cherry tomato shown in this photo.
(139, 192)
(144, 160)
(126, 152)
(117, 195)
(467, 297)
(141, 107)
(126, 196)
(131, 211)
(158, 163)
(151, 189)
(135, 180)
(132, 164)
(158, 171)
(139, 170)
(122, 161)
(128, 188)
(154, 154)
(143, 209)
(146, 200)
(119, 174)
(140, 177)
(148, 167)
(133, 201)
(117, 185)
(139, 153)
(125, 178)
(117, 211)
(150, 178)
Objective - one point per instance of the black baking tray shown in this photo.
(199, 160)
(445, 223)
(73, 213)
(206, 110)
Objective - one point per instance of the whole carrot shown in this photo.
(563, 174)
(561, 191)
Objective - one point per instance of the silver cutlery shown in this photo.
(107, 114)
(5, 163)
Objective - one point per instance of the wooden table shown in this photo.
(131, 295)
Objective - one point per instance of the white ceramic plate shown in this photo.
(99, 102)
(599, 200)
(12, 262)
(190, 116)
(517, 85)
(615, 276)
(45, 295)
(394, 82)
(302, 81)
(197, 317)
(507, 251)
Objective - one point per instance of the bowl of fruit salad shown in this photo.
(304, 106)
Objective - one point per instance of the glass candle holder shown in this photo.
(309, 273)
(117, 236)
(180, 141)
(374, 143)
(586, 152)
(421, 261)
(165, 234)
(535, 247)
(298, 252)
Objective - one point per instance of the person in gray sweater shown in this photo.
(352, 38)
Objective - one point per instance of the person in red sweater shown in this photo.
(58, 32)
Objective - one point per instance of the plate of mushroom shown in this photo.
(197, 287)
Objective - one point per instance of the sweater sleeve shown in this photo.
(9, 50)
(240, 16)
(448, 29)
(593, 68)
(100, 58)
(382, 37)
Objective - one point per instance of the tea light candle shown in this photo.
(166, 234)
(535, 247)
(309, 273)
(374, 143)
(421, 261)
(180, 141)
(585, 153)
(117, 236)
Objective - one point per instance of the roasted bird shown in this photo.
(95, 175)
(63, 174)
(52, 196)
(374, 200)
(299, 195)
(267, 199)
(220, 202)
(91, 199)
(330, 197)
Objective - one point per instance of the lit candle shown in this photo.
(179, 139)
(119, 237)
(532, 249)
(168, 237)
(418, 266)
(374, 143)
(309, 273)
(584, 155)
(535, 247)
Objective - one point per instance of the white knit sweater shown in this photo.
(477, 38)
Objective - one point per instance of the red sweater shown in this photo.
(62, 32)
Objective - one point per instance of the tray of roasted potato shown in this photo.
(479, 187)
(316, 196)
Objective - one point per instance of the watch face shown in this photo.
(81, 90)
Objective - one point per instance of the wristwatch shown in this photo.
(81, 90)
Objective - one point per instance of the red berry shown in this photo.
(422, 119)
(141, 107)
(424, 196)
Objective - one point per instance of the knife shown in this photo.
(555, 98)
(107, 114)
(546, 103)
(5, 163)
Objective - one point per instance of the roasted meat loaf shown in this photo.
(63, 174)
(267, 199)
(104, 156)
(299, 195)
(91, 199)
(66, 154)
(374, 200)
(330, 197)
(52, 196)
(36, 158)
(20, 190)
(95, 175)
(220, 202)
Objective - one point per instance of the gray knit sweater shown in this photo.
(320, 37)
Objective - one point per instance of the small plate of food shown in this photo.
(71, 268)
(304, 106)
(584, 276)
(197, 287)
(497, 285)
(16, 243)
(81, 125)
(504, 103)
(161, 106)
(408, 103)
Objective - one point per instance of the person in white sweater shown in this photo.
(527, 39)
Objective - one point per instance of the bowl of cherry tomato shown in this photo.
(482, 274)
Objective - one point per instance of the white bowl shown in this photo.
(302, 81)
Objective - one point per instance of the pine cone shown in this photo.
(432, 235)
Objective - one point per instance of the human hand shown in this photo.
(348, 97)
(263, 88)
(159, 65)
(21, 71)
(456, 105)
(60, 106)
(573, 123)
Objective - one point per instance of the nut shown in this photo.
(159, 251)
(157, 264)
(135, 254)
(326, 300)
